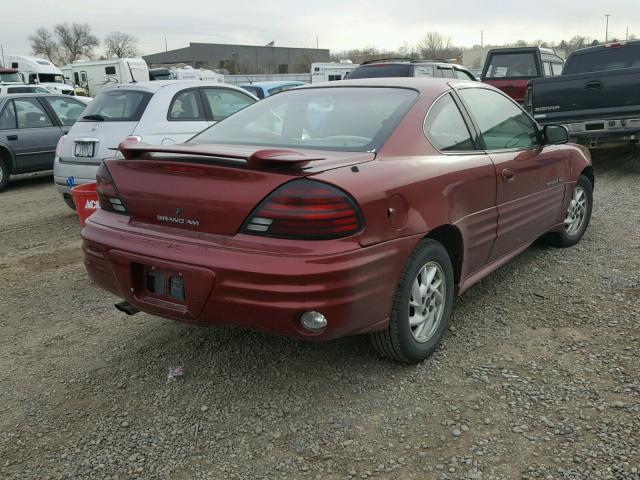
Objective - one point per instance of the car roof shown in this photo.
(603, 46)
(272, 83)
(421, 84)
(377, 64)
(153, 86)
(13, 95)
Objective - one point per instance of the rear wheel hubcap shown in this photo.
(426, 304)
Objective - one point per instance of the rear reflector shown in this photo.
(305, 209)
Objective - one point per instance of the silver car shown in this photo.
(30, 127)
(154, 112)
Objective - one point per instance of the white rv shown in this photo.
(330, 71)
(93, 76)
(38, 71)
(190, 73)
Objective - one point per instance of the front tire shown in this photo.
(421, 307)
(577, 216)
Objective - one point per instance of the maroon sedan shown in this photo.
(337, 209)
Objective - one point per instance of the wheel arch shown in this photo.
(7, 155)
(588, 172)
(451, 239)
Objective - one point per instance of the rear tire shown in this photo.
(577, 215)
(69, 201)
(4, 173)
(421, 307)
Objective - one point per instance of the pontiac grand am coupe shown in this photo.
(337, 209)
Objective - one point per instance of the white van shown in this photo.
(190, 73)
(93, 76)
(38, 71)
(331, 71)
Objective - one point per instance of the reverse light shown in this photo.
(108, 195)
(313, 321)
(305, 209)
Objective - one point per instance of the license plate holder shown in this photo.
(84, 149)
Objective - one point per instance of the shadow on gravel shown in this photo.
(27, 180)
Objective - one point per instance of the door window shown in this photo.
(67, 109)
(8, 117)
(446, 72)
(502, 123)
(445, 128)
(31, 114)
(223, 102)
(462, 75)
(423, 71)
(186, 106)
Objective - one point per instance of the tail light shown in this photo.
(307, 210)
(60, 145)
(528, 99)
(108, 195)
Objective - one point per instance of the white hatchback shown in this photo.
(158, 113)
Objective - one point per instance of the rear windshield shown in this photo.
(512, 65)
(612, 58)
(257, 91)
(117, 106)
(382, 70)
(355, 119)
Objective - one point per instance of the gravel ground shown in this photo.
(538, 377)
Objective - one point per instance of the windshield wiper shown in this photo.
(98, 118)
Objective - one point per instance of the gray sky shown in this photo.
(339, 25)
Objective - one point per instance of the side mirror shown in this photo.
(555, 134)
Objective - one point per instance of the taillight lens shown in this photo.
(60, 145)
(108, 195)
(307, 210)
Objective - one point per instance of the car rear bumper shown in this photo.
(82, 172)
(229, 281)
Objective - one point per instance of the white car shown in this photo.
(155, 112)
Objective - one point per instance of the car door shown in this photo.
(221, 102)
(34, 142)
(471, 179)
(185, 117)
(530, 176)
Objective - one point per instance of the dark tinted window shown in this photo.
(512, 65)
(110, 70)
(8, 117)
(611, 58)
(382, 70)
(117, 106)
(186, 106)
(445, 127)
(343, 118)
(502, 123)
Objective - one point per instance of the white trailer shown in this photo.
(201, 74)
(38, 71)
(93, 76)
(331, 71)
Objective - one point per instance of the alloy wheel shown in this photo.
(577, 211)
(427, 301)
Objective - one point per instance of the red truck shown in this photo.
(510, 69)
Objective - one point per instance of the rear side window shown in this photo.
(31, 114)
(610, 58)
(117, 106)
(382, 70)
(67, 109)
(445, 128)
(512, 65)
(8, 117)
(423, 71)
(186, 106)
(462, 75)
(223, 102)
(556, 68)
(110, 70)
(445, 72)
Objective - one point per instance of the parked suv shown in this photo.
(162, 112)
(510, 69)
(409, 67)
(30, 126)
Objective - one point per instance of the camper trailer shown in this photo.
(93, 76)
(190, 73)
(38, 71)
(330, 71)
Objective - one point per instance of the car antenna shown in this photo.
(133, 79)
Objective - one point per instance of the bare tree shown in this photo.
(434, 45)
(120, 45)
(76, 41)
(43, 44)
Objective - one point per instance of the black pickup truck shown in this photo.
(597, 97)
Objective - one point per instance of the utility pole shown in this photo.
(319, 47)
(2, 51)
(627, 36)
(165, 44)
(481, 39)
(606, 29)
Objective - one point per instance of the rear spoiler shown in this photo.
(263, 158)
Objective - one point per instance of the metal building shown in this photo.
(241, 59)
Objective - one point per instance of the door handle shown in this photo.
(12, 137)
(593, 84)
(508, 175)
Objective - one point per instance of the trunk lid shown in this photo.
(210, 189)
(105, 136)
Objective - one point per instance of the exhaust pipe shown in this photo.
(127, 308)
